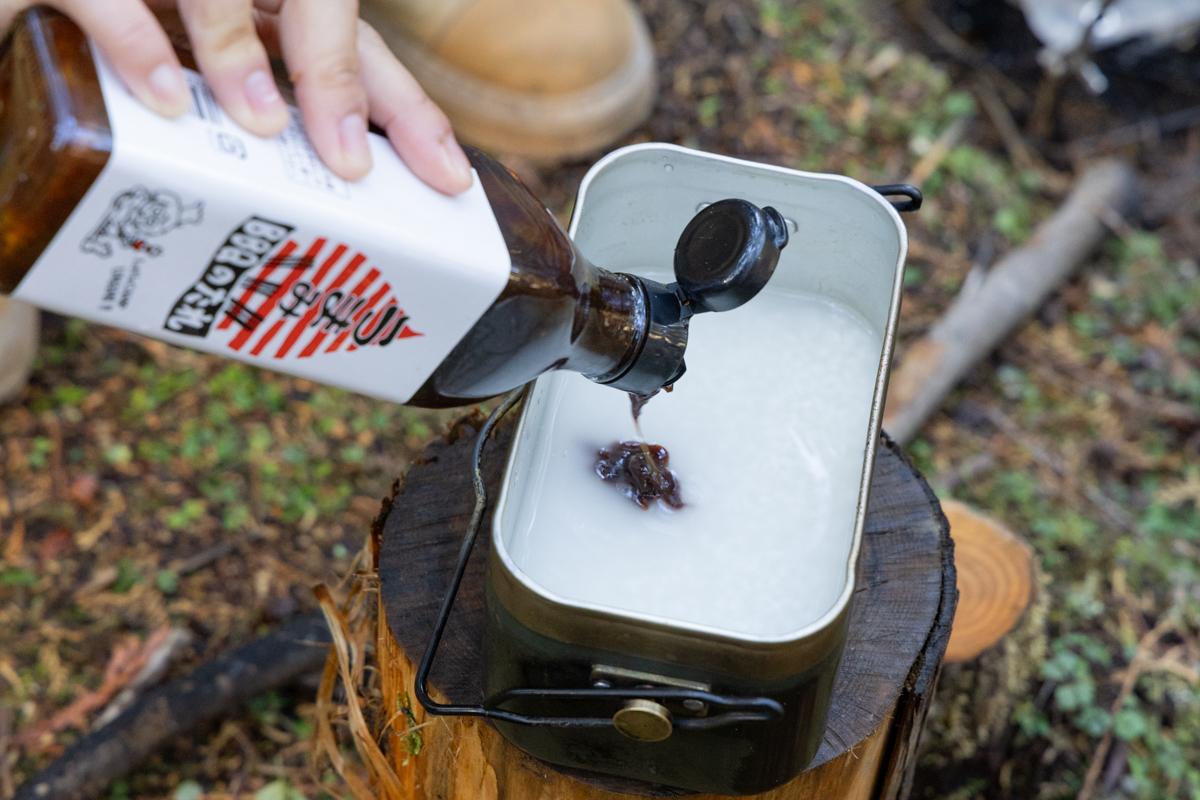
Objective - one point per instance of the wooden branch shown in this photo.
(214, 689)
(986, 312)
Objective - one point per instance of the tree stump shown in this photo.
(997, 646)
(899, 626)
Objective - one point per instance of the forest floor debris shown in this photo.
(146, 487)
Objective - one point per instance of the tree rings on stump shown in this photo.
(995, 580)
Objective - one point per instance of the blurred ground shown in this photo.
(146, 487)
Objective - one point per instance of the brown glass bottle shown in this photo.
(557, 311)
(54, 135)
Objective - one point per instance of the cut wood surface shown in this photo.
(987, 310)
(902, 610)
(995, 580)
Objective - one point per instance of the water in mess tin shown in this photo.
(767, 437)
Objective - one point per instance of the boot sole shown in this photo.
(541, 128)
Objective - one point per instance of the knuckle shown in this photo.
(421, 102)
(131, 35)
(416, 111)
(227, 35)
(335, 72)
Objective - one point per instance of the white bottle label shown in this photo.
(203, 235)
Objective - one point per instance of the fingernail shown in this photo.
(262, 94)
(167, 83)
(354, 140)
(456, 161)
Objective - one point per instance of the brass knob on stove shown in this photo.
(643, 721)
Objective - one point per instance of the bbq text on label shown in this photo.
(194, 312)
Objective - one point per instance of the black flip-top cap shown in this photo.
(727, 253)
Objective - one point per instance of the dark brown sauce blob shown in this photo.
(640, 471)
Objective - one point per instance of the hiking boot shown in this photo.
(541, 79)
(18, 345)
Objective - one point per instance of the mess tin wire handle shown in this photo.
(731, 710)
(913, 203)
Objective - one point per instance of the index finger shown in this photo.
(137, 48)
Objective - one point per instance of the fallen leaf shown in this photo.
(856, 115)
(884, 60)
(14, 545)
(57, 543)
(278, 790)
(101, 579)
(84, 488)
(802, 73)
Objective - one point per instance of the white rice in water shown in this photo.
(766, 433)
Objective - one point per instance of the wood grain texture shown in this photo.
(900, 622)
(995, 580)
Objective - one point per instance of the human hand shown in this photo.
(343, 73)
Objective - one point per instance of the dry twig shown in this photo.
(6, 779)
(89, 766)
(1141, 663)
(1023, 156)
(168, 649)
(86, 539)
(945, 143)
(127, 660)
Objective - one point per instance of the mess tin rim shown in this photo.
(839, 607)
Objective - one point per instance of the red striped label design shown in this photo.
(303, 311)
(272, 300)
(265, 273)
(375, 298)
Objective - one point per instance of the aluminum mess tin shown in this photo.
(704, 729)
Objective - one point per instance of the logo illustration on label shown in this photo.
(138, 214)
(283, 299)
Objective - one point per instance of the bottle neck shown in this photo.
(558, 311)
(609, 326)
(632, 333)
